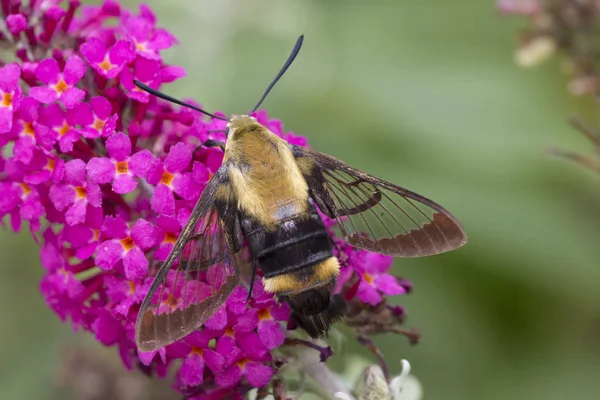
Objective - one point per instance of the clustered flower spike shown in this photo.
(106, 177)
(569, 29)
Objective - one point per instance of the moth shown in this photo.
(267, 192)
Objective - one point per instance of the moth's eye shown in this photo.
(227, 131)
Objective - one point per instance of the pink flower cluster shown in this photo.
(106, 176)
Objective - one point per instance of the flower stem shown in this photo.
(323, 376)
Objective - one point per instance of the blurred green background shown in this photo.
(424, 94)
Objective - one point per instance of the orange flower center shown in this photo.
(99, 124)
(368, 278)
(167, 178)
(81, 192)
(65, 274)
(242, 363)
(131, 287)
(122, 167)
(229, 331)
(7, 100)
(171, 301)
(63, 129)
(61, 87)
(127, 243)
(197, 350)
(26, 189)
(28, 129)
(140, 46)
(170, 237)
(105, 65)
(264, 314)
(50, 164)
(96, 235)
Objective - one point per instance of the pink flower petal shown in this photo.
(76, 213)
(214, 360)
(373, 262)
(145, 69)
(147, 357)
(200, 173)
(225, 345)
(191, 372)
(368, 294)
(119, 146)
(114, 227)
(6, 119)
(147, 13)
(32, 209)
(23, 149)
(108, 253)
(230, 377)
(94, 194)
(185, 186)
(124, 184)
(247, 321)
(75, 172)
(121, 53)
(65, 143)
(136, 264)
(82, 114)
(43, 94)
(258, 375)
(251, 344)
(218, 320)
(48, 71)
(72, 96)
(236, 303)
(16, 23)
(85, 252)
(140, 162)
(106, 328)
(93, 50)
(163, 201)
(77, 236)
(9, 77)
(74, 70)
(179, 158)
(281, 313)
(388, 284)
(170, 74)
(62, 196)
(270, 334)
(100, 170)
(144, 234)
(101, 107)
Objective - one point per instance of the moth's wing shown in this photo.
(178, 302)
(377, 215)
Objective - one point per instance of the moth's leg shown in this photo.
(252, 281)
(211, 143)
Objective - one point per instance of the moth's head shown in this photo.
(240, 124)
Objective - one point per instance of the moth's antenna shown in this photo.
(163, 96)
(281, 72)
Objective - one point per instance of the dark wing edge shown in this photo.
(377, 215)
(209, 239)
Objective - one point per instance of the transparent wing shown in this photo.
(377, 215)
(198, 275)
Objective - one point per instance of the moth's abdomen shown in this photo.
(299, 267)
(296, 246)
